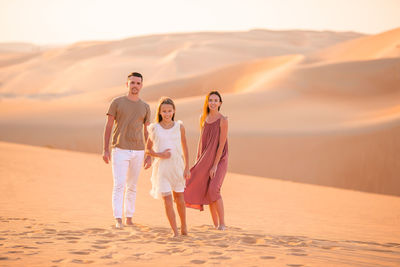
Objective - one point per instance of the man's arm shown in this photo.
(106, 140)
(147, 158)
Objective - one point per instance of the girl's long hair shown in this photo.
(164, 100)
(206, 109)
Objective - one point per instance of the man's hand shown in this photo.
(147, 162)
(106, 156)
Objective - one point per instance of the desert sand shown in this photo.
(56, 211)
(314, 136)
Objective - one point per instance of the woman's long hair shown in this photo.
(206, 109)
(164, 100)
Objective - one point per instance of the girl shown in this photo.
(167, 143)
(204, 185)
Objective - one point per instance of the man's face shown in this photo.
(134, 85)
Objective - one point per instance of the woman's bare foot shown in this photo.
(184, 230)
(129, 221)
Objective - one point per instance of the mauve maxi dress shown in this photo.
(200, 189)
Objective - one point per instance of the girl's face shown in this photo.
(167, 112)
(214, 102)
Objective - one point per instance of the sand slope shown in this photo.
(56, 210)
(384, 45)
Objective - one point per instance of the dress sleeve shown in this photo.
(151, 129)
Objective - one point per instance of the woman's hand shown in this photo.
(186, 173)
(213, 170)
(166, 154)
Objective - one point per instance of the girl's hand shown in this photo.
(186, 173)
(165, 154)
(213, 170)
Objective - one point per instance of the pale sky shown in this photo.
(67, 21)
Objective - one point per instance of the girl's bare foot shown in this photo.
(222, 228)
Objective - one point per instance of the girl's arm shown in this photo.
(222, 140)
(150, 152)
(185, 152)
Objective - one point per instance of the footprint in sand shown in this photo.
(248, 240)
(215, 253)
(294, 265)
(4, 258)
(197, 261)
(82, 261)
(102, 241)
(57, 261)
(298, 254)
(108, 256)
(15, 252)
(391, 245)
(221, 258)
(100, 247)
(72, 238)
(80, 252)
(267, 257)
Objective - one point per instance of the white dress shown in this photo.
(167, 174)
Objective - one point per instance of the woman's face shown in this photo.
(214, 102)
(167, 112)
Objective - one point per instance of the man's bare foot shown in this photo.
(129, 221)
(118, 223)
(184, 230)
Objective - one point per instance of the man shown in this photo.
(131, 116)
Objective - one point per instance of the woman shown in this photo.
(206, 176)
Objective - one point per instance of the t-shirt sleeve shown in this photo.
(150, 129)
(112, 110)
(147, 117)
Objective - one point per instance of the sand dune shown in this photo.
(56, 210)
(235, 78)
(378, 46)
(91, 66)
(330, 123)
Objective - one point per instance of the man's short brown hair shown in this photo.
(135, 74)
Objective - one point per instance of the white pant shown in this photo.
(126, 165)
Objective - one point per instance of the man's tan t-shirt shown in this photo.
(129, 119)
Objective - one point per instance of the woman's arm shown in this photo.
(222, 140)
